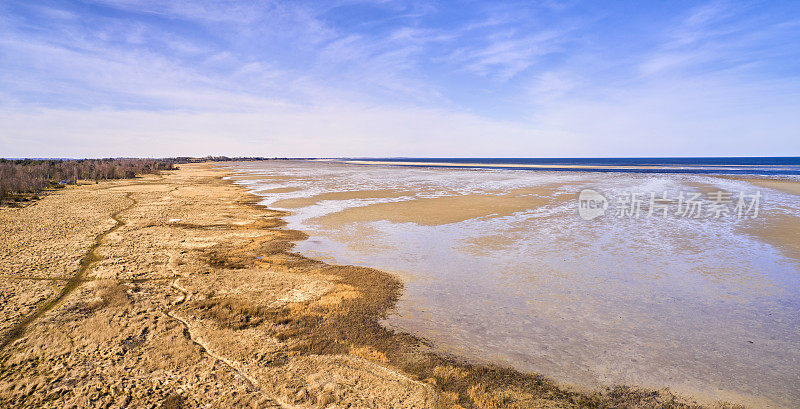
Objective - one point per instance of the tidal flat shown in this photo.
(181, 290)
(498, 266)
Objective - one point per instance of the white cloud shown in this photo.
(279, 79)
(281, 131)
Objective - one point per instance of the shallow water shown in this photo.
(498, 266)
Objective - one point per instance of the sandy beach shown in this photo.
(177, 290)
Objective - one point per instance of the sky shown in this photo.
(157, 78)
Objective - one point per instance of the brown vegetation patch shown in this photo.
(110, 293)
(236, 314)
(628, 397)
(218, 259)
(173, 401)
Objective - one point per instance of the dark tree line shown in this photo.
(20, 179)
(24, 179)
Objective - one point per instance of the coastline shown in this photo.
(722, 169)
(200, 278)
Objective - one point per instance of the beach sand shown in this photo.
(176, 290)
(440, 210)
(784, 231)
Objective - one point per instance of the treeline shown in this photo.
(24, 179)
(188, 159)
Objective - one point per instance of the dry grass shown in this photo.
(499, 398)
(369, 353)
(110, 293)
(628, 397)
(172, 402)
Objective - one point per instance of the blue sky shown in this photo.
(399, 78)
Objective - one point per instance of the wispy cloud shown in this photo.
(397, 77)
(722, 36)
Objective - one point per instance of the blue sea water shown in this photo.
(789, 165)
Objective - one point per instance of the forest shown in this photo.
(22, 180)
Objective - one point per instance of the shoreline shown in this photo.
(198, 252)
(743, 170)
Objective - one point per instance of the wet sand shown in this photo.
(358, 194)
(437, 210)
(788, 186)
(783, 230)
(186, 294)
